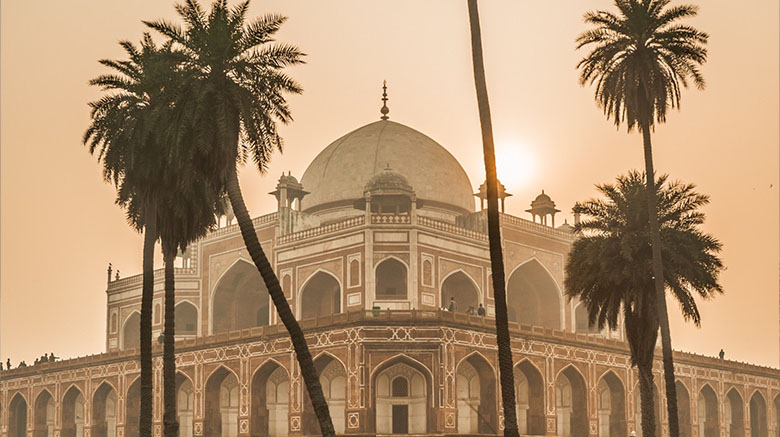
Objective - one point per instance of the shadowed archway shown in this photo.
(240, 300)
(709, 422)
(533, 297)
(529, 390)
(391, 280)
(185, 318)
(184, 405)
(758, 416)
(401, 397)
(461, 288)
(17, 417)
(73, 413)
(43, 415)
(131, 331)
(684, 410)
(611, 406)
(133, 408)
(571, 403)
(656, 406)
(104, 409)
(320, 296)
(333, 379)
(475, 384)
(221, 413)
(270, 401)
(735, 414)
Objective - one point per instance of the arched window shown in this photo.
(391, 280)
(427, 272)
(354, 273)
(400, 387)
(186, 318)
(532, 297)
(131, 333)
(240, 300)
(321, 296)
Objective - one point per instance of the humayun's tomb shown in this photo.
(369, 246)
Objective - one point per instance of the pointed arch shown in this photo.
(530, 393)
(221, 402)
(185, 403)
(269, 399)
(571, 402)
(73, 412)
(104, 410)
(758, 415)
(402, 414)
(462, 288)
(534, 296)
(17, 416)
(239, 299)
(581, 321)
(333, 379)
(132, 406)
(391, 276)
(611, 405)
(324, 293)
(476, 389)
(684, 409)
(131, 331)
(656, 407)
(43, 413)
(186, 319)
(735, 413)
(708, 411)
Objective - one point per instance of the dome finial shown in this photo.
(385, 110)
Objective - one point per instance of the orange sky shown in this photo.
(60, 227)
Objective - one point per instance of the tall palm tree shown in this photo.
(125, 133)
(235, 99)
(505, 363)
(640, 59)
(610, 267)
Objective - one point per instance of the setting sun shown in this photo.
(516, 163)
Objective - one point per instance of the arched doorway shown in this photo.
(221, 414)
(73, 413)
(707, 410)
(533, 297)
(270, 401)
(777, 415)
(43, 415)
(461, 288)
(571, 403)
(333, 379)
(321, 296)
(735, 416)
(401, 400)
(611, 406)
(683, 409)
(240, 300)
(529, 388)
(17, 417)
(391, 280)
(132, 408)
(184, 404)
(131, 331)
(185, 318)
(758, 422)
(104, 408)
(475, 384)
(581, 323)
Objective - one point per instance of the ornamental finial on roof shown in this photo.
(385, 110)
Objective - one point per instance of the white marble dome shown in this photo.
(337, 177)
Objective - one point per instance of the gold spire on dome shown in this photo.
(385, 110)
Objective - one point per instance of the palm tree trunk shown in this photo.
(647, 401)
(170, 422)
(505, 363)
(147, 294)
(658, 273)
(309, 373)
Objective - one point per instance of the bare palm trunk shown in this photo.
(147, 294)
(309, 373)
(505, 363)
(170, 422)
(647, 401)
(658, 273)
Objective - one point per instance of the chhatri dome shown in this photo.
(337, 177)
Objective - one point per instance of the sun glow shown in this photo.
(515, 163)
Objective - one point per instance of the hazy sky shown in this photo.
(60, 227)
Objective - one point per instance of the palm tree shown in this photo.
(610, 267)
(186, 212)
(124, 132)
(505, 363)
(234, 101)
(641, 58)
